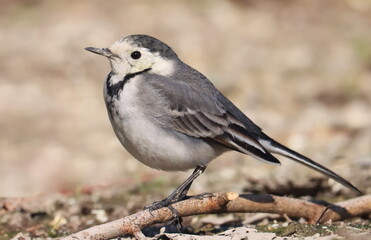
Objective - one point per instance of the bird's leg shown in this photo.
(180, 192)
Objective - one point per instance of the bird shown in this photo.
(171, 117)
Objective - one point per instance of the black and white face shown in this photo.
(128, 57)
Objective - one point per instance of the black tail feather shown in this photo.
(278, 148)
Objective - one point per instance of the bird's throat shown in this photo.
(114, 87)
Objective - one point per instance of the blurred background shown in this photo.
(300, 70)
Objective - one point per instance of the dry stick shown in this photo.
(228, 203)
(348, 209)
(298, 208)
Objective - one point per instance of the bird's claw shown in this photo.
(202, 196)
(157, 205)
(166, 203)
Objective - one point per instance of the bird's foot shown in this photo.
(167, 203)
(176, 218)
(158, 204)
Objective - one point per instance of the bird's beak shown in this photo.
(102, 51)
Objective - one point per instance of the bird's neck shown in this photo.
(116, 78)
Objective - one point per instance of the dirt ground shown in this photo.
(300, 70)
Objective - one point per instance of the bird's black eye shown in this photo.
(136, 55)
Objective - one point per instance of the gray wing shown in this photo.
(275, 147)
(196, 111)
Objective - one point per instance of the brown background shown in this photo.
(301, 70)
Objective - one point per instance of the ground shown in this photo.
(300, 70)
(56, 215)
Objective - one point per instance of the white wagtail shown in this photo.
(171, 117)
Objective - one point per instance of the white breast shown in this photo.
(149, 143)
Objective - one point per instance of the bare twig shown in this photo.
(229, 203)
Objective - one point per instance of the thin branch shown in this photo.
(229, 203)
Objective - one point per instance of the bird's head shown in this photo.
(137, 53)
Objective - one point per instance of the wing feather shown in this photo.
(221, 129)
(197, 111)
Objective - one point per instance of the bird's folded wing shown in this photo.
(197, 112)
(223, 129)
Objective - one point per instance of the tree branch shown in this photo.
(229, 203)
